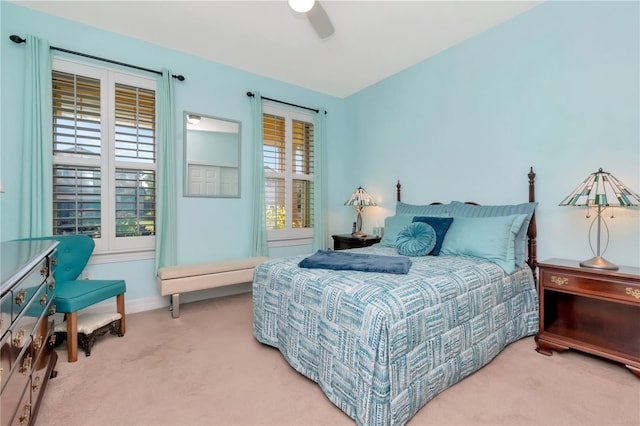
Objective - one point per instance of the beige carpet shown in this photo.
(205, 368)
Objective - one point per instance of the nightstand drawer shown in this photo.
(577, 283)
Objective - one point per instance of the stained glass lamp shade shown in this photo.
(601, 190)
(360, 199)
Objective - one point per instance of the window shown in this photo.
(288, 171)
(104, 156)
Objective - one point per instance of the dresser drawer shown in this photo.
(15, 379)
(591, 285)
(41, 367)
(23, 292)
(16, 412)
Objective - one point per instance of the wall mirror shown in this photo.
(212, 156)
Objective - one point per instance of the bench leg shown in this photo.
(174, 305)
(72, 336)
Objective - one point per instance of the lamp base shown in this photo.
(599, 262)
(358, 234)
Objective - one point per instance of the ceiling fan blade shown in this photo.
(320, 21)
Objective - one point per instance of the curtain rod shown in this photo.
(17, 39)
(251, 95)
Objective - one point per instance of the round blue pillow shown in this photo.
(416, 239)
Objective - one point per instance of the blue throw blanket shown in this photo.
(342, 260)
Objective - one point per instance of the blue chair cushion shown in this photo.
(73, 295)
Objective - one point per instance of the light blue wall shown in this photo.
(555, 88)
(208, 228)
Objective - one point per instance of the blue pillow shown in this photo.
(458, 209)
(422, 210)
(392, 226)
(416, 239)
(440, 225)
(492, 238)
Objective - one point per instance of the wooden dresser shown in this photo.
(27, 358)
(591, 310)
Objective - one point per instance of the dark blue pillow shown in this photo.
(440, 225)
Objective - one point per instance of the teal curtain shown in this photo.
(36, 182)
(166, 234)
(320, 181)
(259, 220)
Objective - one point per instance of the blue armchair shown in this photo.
(72, 294)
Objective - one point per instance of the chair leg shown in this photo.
(120, 307)
(72, 336)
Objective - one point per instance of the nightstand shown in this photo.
(348, 241)
(591, 310)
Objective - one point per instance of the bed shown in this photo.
(382, 345)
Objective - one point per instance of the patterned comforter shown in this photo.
(381, 345)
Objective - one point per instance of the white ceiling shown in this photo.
(372, 39)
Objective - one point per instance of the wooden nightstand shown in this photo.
(348, 241)
(591, 310)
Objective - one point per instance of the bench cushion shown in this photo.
(201, 276)
(181, 271)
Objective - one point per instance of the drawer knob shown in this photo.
(37, 343)
(43, 299)
(26, 413)
(19, 338)
(633, 292)
(26, 365)
(44, 271)
(52, 282)
(36, 383)
(20, 297)
(52, 310)
(559, 280)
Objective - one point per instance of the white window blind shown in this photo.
(104, 156)
(288, 166)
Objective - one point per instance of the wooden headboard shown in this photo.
(532, 252)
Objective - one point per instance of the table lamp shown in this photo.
(601, 190)
(360, 199)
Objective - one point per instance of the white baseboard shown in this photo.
(162, 302)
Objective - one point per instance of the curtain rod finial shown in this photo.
(17, 39)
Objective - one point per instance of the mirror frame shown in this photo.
(185, 187)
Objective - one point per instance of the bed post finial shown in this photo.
(398, 190)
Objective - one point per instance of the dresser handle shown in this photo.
(52, 310)
(36, 383)
(43, 299)
(20, 297)
(37, 343)
(633, 292)
(559, 280)
(19, 338)
(54, 260)
(26, 365)
(26, 412)
(44, 271)
(52, 340)
(52, 283)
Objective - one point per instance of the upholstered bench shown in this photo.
(173, 280)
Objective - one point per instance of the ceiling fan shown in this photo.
(315, 13)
